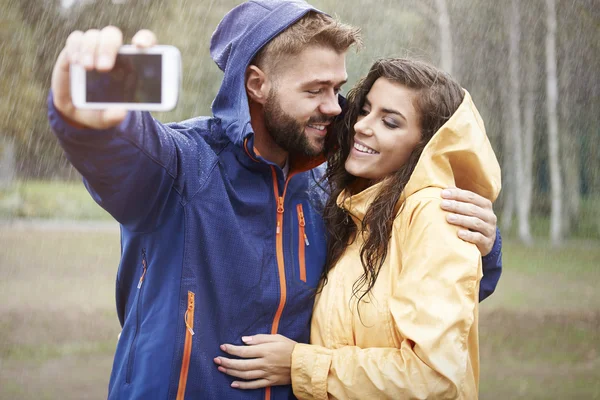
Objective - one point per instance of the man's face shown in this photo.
(303, 100)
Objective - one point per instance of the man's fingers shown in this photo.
(471, 223)
(466, 196)
(242, 351)
(110, 40)
(73, 47)
(87, 54)
(144, 39)
(482, 242)
(464, 209)
(256, 384)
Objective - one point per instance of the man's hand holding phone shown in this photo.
(96, 80)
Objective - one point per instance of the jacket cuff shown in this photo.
(66, 129)
(310, 368)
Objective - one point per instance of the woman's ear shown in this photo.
(257, 84)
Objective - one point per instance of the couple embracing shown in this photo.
(295, 243)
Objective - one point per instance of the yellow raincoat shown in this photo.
(416, 336)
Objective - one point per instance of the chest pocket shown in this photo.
(309, 244)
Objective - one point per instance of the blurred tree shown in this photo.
(553, 135)
(519, 156)
(446, 49)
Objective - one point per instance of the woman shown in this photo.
(396, 316)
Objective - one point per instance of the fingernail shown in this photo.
(223, 347)
(451, 217)
(246, 339)
(446, 203)
(446, 192)
(221, 369)
(235, 385)
(462, 233)
(104, 62)
(217, 360)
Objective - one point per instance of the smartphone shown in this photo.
(142, 79)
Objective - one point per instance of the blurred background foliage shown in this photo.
(539, 332)
(32, 33)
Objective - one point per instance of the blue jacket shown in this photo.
(215, 243)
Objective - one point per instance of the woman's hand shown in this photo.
(267, 361)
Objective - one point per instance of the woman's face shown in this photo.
(386, 132)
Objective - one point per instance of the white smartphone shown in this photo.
(147, 79)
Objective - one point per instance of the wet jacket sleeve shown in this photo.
(129, 170)
(492, 269)
(434, 306)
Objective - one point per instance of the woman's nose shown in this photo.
(363, 126)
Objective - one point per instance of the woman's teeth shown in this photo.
(364, 149)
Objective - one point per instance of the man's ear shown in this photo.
(257, 84)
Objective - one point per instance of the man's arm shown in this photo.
(475, 214)
(128, 160)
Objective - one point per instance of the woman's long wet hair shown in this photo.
(436, 97)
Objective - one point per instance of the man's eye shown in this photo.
(314, 92)
(337, 91)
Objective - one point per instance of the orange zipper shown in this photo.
(187, 347)
(280, 261)
(302, 241)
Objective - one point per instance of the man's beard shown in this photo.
(287, 132)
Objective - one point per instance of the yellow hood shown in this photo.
(459, 154)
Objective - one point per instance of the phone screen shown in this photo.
(136, 78)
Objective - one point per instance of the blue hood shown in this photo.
(235, 42)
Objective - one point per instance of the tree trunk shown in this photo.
(570, 68)
(514, 29)
(446, 53)
(531, 71)
(553, 138)
(508, 165)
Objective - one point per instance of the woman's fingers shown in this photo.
(256, 384)
(242, 351)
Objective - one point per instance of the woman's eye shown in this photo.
(363, 112)
(390, 123)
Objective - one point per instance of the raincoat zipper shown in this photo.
(302, 241)
(280, 258)
(131, 358)
(188, 319)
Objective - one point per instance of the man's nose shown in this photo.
(331, 106)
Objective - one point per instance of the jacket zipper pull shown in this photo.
(145, 266)
(189, 309)
(302, 223)
(280, 205)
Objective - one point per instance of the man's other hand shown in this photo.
(474, 213)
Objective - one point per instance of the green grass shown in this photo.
(539, 333)
(50, 200)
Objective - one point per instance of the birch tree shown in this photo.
(446, 53)
(553, 138)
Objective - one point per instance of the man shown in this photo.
(220, 235)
